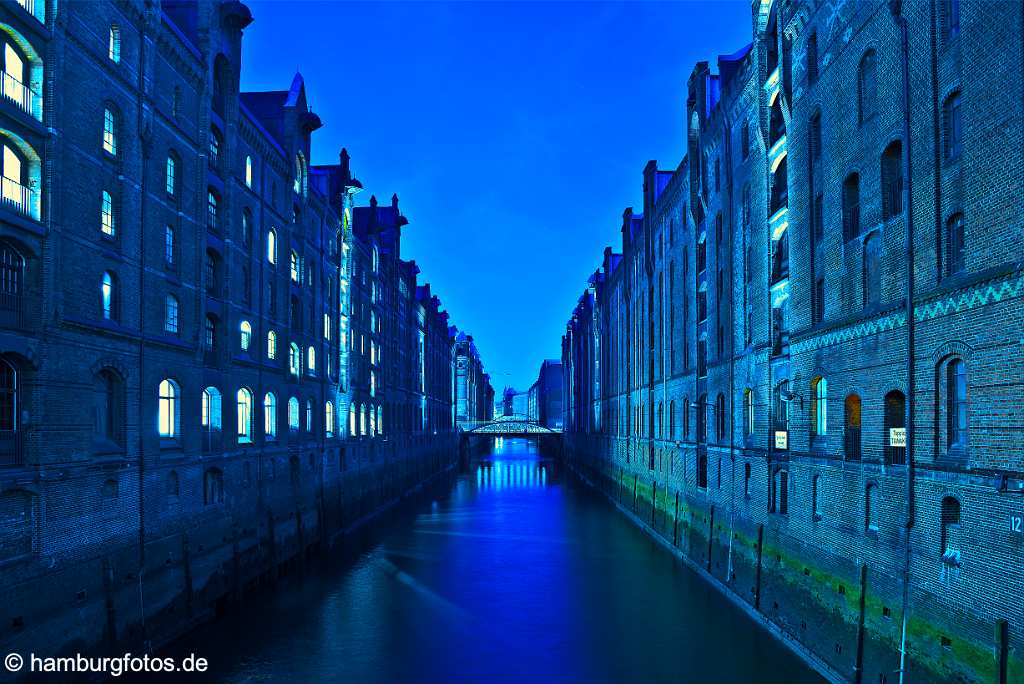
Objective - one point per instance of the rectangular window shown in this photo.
(818, 301)
(812, 59)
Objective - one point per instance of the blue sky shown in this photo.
(514, 134)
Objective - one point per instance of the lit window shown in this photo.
(211, 417)
(114, 44)
(211, 210)
(270, 415)
(171, 315)
(109, 132)
(167, 412)
(819, 407)
(352, 420)
(248, 171)
(309, 416)
(172, 176)
(311, 361)
(245, 330)
(380, 420)
(327, 326)
(748, 412)
(271, 345)
(169, 246)
(329, 419)
(107, 296)
(293, 414)
(294, 267)
(294, 359)
(272, 247)
(244, 416)
(210, 333)
(107, 214)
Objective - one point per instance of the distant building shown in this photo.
(544, 404)
(514, 403)
(474, 395)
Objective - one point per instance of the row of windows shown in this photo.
(169, 413)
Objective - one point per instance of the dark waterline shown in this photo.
(513, 574)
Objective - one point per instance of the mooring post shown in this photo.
(634, 491)
(858, 667)
(675, 523)
(654, 502)
(757, 570)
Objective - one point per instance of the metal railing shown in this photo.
(21, 95)
(17, 196)
(35, 8)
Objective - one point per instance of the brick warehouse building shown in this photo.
(815, 374)
(212, 361)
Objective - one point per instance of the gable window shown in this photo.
(107, 214)
(171, 314)
(168, 420)
(952, 126)
(244, 416)
(819, 407)
(867, 86)
(953, 246)
(114, 44)
(109, 132)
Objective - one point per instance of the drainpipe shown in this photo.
(895, 6)
(727, 140)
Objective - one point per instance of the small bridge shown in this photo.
(507, 427)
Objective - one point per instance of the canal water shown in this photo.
(515, 573)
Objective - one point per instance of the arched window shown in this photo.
(819, 407)
(14, 83)
(294, 359)
(872, 269)
(867, 86)
(293, 414)
(892, 180)
(748, 412)
(109, 131)
(248, 171)
(272, 247)
(171, 314)
(362, 419)
(871, 508)
(352, 420)
(108, 296)
(170, 246)
(114, 44)
(245, 335)
(376, 259)
(311, 361)
(811, 55)
(851, 425)
(15, 182)
(212, 413)
(271, 345)
(213, 487)
(952, 126)
(309, 415)
(953, 246)
(244, 416)
(851, 207)
(956, 404)
(294, 263)
(895, 435)
(270, 416)
(172, 176)
(107, 214)
(110, 407)
(246, 226)
(329, 419)
(168, 416)
(300, 175)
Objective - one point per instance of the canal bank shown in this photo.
(516, 571)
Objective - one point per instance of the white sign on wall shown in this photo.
(781, 439)
(897, 437)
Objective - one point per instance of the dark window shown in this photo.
(720, 421)
(812, 59)
(8, 397)
(892, 180)
(213, 487)
(953, 246)
(818, 219)
(956, 404)
(872, 269)
(702, 471)
(210, 333)
(951, 18)
(746, 480)
(950, 519)
(952, 130)
(818, 301)
(745, 140)
(867, 86)
(895, 419)
(814, 137)
(702, 419)
(851, 207)
(851, 422)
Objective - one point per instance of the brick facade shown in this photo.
(807, 353)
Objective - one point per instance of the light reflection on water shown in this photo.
(513, 574)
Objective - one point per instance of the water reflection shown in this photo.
(513, 574)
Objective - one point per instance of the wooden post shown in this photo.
(1003, 639)
(858, 666)
(757, 576)
(675, 523)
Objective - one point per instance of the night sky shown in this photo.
(514, 135)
